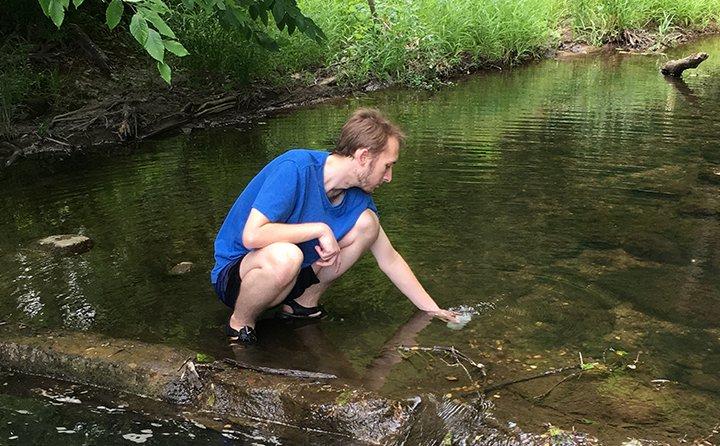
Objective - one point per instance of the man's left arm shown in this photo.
(394, 266)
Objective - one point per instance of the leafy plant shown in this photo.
(149, 27)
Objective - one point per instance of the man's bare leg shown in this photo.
(352, 247)
(266, 276)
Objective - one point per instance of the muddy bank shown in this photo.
(133, 103)
(219, 389)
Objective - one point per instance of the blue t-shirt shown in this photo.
(290, 189)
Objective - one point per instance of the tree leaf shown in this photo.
(113, 13)
(266, 41)
(154, 45)
(45, 5)
(77, 3)
(139, 28)
(175, 47)
(165, 71)
(157, 21)
(57, 12)
(278, 10)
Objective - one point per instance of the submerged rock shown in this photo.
(701, 202)
(67, 243)
(182, 268)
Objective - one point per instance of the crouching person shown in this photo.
(303, 221)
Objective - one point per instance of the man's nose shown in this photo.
(388, 176)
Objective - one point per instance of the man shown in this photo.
(303, 221)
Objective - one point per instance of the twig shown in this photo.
(529, 378)
(544, 395)
(449, 351)
(121, 350)
(57, 141)
(284, 372)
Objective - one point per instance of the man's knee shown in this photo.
(283, 260)
(368, 226)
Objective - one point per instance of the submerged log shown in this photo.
(676, 67)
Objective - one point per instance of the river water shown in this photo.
(573, 204)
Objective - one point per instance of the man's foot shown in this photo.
(245, 335)
(298, 311)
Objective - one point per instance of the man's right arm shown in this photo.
(259, 232)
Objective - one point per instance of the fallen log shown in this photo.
(676, 67)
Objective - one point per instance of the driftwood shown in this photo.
(190, 113)
(676, 67)
(283, 372)
(96, 55)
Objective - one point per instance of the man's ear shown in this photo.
(363, 155)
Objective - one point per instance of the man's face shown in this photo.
(379, 168)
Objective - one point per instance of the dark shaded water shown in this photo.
(574, 203)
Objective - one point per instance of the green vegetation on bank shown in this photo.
(415, 42)
(411, 42)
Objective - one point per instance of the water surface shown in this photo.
(574, 203)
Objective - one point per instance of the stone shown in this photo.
(67, 243)
(182, 268)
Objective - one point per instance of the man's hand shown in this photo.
(445, 315)
(328, 249)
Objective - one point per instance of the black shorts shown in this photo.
(227, 286)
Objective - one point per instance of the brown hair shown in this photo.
(367, 127)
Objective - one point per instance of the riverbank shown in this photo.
(56, 101)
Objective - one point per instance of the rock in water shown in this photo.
(182, 268)
(67, 243)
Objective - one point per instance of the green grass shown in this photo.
(419, 42)
(599, 21)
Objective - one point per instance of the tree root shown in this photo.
(96, 55)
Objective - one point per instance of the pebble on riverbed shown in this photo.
(182, 268)
(67, 243)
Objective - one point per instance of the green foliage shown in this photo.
(414, 43)
(21, 82)
(203, 358)
(599, 21)
(150, 30)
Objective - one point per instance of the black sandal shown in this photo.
(301, 312)
(246, 335)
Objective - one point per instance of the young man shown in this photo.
(303, 221)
